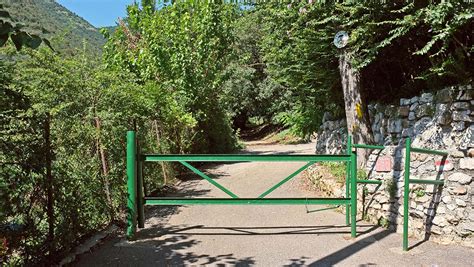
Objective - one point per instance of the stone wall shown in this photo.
(443, 121)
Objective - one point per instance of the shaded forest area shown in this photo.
(187, 77)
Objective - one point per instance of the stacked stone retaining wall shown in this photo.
(444, 121)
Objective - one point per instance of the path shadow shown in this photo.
(433, 206)
(338, 256)
(185, 230)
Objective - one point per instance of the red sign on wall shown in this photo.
(384, 164)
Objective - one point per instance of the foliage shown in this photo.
(386, 39)
(87, 110)
(184, 49)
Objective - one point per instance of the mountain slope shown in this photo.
(66, 30)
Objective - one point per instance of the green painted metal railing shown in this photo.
(137, 201)
(408, 181)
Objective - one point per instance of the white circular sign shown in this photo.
(340, 39)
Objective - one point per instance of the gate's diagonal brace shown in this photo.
(286, 179)
(209, 179)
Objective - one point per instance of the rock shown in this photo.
(425, 110)
(467, 140)
(440, 221)
(408, 132)
(327, 116)
(470, 153)
(444, 96)
(418, 224)
(444, 119)
(467, 226)
(414, 106)
(446, 199)
(452, 219)
(466, 163)
(458, 126)
(403, 111)
(460, 202)
(384, 199)
(444, 166)
(461, 116)
(441, 210)
(404, 101)
(423, 199)
(459, 190)
(413, 99)
(411, 116)
(451, 206)
(465, 95)
(426, 98)
(421, 125)
(395, 126)
(460, 213)
(456, 154)
(461, 105)
(461, 178)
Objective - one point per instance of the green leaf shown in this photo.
(5, 27)
(4, 14)
(3, 39)
(47, 43)
(19, 39)
(33, 42)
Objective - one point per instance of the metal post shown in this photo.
(131, 184)
(140, 200)
(348, 176)
(406, 193)
(353, 163)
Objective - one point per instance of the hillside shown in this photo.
(66, 30)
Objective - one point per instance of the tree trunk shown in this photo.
(105, 169)
(49, 186)
(163, 168)
(358, 122)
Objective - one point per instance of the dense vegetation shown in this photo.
(187, 76)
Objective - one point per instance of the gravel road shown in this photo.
(262, 235)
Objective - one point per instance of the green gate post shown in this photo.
(131, 184)
(348, 177)
(353, 163)
(406, 193)
(140, 200)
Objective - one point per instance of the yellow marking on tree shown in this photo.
(359, 111)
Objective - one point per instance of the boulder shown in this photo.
(403, 111)
(460, 177)
(404, 102)
(461, 116)
(426, 110)
(444, 96)
(461, 105)
(426, 98)
(458, 190)
(466, 163)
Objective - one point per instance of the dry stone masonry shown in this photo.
(444, 121)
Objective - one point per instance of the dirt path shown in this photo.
(262, 235)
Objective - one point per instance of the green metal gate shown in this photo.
(137, 200)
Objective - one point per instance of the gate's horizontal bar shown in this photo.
(429, 151)
(369, 182)
(243, 158)
(420, 181)
(245, 201)
(368, 146)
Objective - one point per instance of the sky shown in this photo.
(99, 13)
